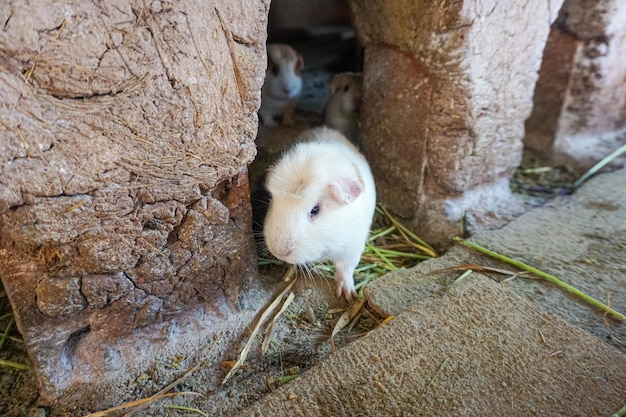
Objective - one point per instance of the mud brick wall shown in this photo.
(581, 92)
(125, 223)
(447, 88)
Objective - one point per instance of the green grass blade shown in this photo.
(462, 276)
(387, 262)
(365, 268)
(620, 413)
(390, 253)
(545, 275)
(597, 167)
(5, 335)
(382, 233)
(412, 235)
(15, 365)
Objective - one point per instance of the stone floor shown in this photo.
(485, 346)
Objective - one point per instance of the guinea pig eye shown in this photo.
(346, 88)
(274, 70)
(315, 211)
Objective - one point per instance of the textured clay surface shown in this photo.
(124, 204)
(580, 96)
(475, 349)
(461, 87)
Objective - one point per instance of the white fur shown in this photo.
(342, 111)
(283, 84)
(329, 171)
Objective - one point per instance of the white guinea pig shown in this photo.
(343, 108)
(283, 84)
(322, 202)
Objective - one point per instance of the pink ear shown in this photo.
(334, 84)
(299, 65)
(345, 190)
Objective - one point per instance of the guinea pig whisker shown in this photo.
(303, 269)
(258, 236)
(315, 273)
(310, 272)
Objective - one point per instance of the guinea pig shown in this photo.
(322, 202)
(283, 84)
(343, 108)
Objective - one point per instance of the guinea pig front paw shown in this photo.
(345, 287)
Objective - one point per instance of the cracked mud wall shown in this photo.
(126, 131)
(580, 97)
(447, 87)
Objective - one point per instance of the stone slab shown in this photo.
(475, 349)
(580, 239)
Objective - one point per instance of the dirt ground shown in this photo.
(301, 337)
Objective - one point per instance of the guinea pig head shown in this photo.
(284, 71)
(310, 212)
(348, 87)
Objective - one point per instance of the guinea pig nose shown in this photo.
(283, 252)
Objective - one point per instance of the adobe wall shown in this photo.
(447, 88)
(125, 221)
(579, 112)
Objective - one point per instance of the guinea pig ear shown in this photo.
(345, 190)
(271, 65)
(335, 84)
(299, 65)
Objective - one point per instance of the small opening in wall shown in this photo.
(322, 33)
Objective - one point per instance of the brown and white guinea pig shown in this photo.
(283, 84)
(342, 111)
(322, 202)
